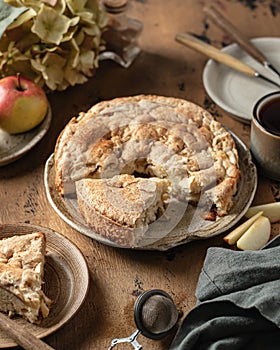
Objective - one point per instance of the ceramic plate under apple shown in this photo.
(235, 92)
(13, 147)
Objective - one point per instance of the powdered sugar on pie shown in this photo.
(147, 137)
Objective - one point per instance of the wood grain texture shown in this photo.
(163, 67)
(238, 37)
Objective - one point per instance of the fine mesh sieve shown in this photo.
(155, 314)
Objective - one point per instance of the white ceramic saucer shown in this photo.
(235, 92)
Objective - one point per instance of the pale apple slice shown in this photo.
(270, 210)
(256, 236)
(234, 235)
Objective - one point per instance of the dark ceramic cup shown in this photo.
(265, 135)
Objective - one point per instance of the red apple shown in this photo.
(23, 104)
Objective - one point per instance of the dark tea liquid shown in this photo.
(269, 116)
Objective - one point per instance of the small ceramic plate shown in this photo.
(191, 226)
(235, 92)
(66, 281)
(13, 147)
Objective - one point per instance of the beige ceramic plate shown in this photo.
(235, 92)
(12, 147)
(192, 226)
(66, 281)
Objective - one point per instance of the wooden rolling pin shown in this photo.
(21, 336)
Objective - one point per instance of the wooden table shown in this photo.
(164, 67)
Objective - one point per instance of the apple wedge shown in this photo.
(256, 236)
(270, 210)
(234, 235)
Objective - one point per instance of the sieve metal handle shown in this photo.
(132, 340)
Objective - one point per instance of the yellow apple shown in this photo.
(256, 236)
(234, 235)
(270, 210)
(23, 104)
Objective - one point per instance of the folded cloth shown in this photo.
(238, 302)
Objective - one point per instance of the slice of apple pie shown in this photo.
(22, 260)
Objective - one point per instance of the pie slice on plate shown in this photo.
(22, 260)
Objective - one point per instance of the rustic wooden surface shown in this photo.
(164, 67)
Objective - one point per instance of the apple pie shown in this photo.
(22, 259)
(145, 137)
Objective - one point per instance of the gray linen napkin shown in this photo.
(238, 302)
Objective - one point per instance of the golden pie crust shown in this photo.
(146, 137)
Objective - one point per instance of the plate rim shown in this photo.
(41, 131)
(211, 92)
(83, 291)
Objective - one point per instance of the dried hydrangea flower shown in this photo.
(53, 42)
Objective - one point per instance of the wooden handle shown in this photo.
(23, 338)
(214, 53)
(234, 33)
